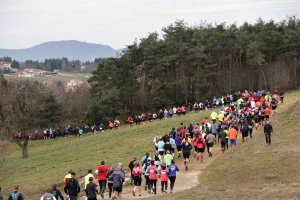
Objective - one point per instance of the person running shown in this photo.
(222, 137)
(281, 95)
(274, 104)
(157, 158)
(214, 129)
(256, 114)
(102, 171)
(48, 196)
(68, 176)
(161, 147)
(167, 146)
(232, 134)
(267, 113)
(131, 166)
(168, 158)
(118, 178)
(178, 141)
(268, 131)
(56, 192)
(245, 131)
(16, 195)
(146, 174)
(72, 188)
(173, 168)
(194, 141)
(87, 180)
(210, 140)
(137, 177)
(164, 172)
(173, 145)
(152, 170)
(144, 159)
(91, 190)
(200, 147)
(250, 126)
(110, 181)
(156, 140)
(186, 152)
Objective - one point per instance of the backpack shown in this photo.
(244, 128)
(200, 141)
(262, 111)
(15, 196)
(247, 114)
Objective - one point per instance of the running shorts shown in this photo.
(233, 142)
(137, 180)
(161, 153)
(179, 148)
(200, 150)
(172, 150)
(186, 155)
(118, 189)
(274, 107)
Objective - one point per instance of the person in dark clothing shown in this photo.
(131, 166)
(268, 130)
(72, 187)
(110, 181)
(91, 190)
(16, 194)
(172, 133)
(56, 192)
(165, 138)
(222, 138)
(167, 146)
(190, 130)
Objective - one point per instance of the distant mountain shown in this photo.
(71, 49)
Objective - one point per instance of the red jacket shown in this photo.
(102, 171)
(202, 143)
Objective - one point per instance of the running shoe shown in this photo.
(133, 192)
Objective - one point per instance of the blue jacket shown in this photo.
(160, 146)
(172, 170)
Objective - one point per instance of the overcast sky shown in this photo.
(25, 23)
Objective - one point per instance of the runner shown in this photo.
(268, 131)
(146, 174)
(111, 125)
(102, 171)
(244, 130)
(173, 168)
(178, 141)
(91, 189)
(72, 188)
(47, 196)
(131, 166)
(173, 145)
(210, 140)
(160, 147)
(68, 176)
(118, 179)
(274, 105)
(163, 173)
(87, 180)
(256, 114)
(168, 158)
(152, 170)
(56, 192)
(222, 137)
(200, 147)
(186, 151)
(157, 159)
(267, 113)
(250, 126)
(16, 195)
(137, 176)
(213, 116)
(232, 134)
(110, 181)
(156, 140)
(281, 94)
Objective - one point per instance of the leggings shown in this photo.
(110, 187)
(223, 146)
(153, 185)
(172, 181)
(227, 143)
(147, 182)
(164, 186)
(102, 185)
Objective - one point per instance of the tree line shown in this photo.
(192, 63)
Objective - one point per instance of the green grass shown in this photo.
(55, 77)
(255, 170)
(50, 160)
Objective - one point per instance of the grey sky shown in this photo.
(25, 23)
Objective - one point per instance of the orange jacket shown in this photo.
(232, 134)
(267, 111)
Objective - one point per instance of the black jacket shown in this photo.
(72, 187)
(20, 196)
(268, 128)
(91, 190)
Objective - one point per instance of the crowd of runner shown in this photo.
(238, 113)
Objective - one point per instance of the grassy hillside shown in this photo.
(255, 170)
(50, 160)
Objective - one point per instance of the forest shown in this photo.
(193, 63)
(184, 64)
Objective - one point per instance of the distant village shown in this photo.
(32, 73)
